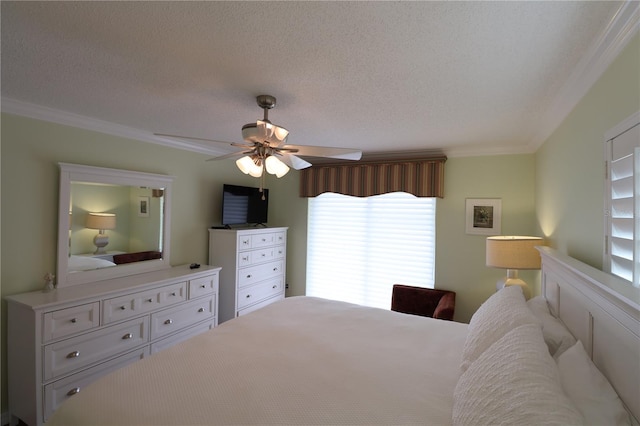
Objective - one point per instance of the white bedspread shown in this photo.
(301, 361)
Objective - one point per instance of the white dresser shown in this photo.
(253, 268)
(59, 342)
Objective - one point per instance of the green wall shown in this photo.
(570, 164)
(460, 258)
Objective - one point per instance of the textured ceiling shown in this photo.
(378, 76)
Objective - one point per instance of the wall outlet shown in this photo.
(286, 286)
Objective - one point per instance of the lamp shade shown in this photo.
(101, 221)
(513, 252)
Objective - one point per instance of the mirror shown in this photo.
(111, 223)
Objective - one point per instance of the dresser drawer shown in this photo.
(247, 258)
(280, 237)
(66, 322)
(121, 308)
(259, 305)
(253, 294)
(279, 252)
(163, 344)
(59, 391)
(82, 351)
(244, 242)
(254, 274)
(263, 240)
(174, 319)
(203, 286)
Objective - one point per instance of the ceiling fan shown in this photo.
(265, 147)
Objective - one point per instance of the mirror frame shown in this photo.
(80, 173)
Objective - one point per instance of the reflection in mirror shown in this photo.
(112, 223)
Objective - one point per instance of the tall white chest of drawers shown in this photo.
(253, 265)
(60, 341)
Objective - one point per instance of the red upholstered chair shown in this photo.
(426, 302)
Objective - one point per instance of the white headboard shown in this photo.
(601, 310)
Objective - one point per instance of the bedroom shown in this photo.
(554, 191)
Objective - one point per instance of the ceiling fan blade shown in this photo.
(231, 155)
(293, 161)
(329, 152)
(242, 145)
(191, 138)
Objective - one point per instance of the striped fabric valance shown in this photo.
(422, 178)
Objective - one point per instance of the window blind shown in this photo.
(623, 204)
(359, 247)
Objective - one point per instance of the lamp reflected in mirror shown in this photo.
(101, 222)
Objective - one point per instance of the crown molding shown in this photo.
(38, 112)
(622, 27)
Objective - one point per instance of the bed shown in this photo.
(87, 263)
(312, 361)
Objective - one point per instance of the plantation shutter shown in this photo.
(622, 245)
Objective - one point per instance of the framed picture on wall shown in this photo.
(143, 206)
(483, 216)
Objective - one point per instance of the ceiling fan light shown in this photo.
(256, 168)
(281, 133)
(245, 164)
(275, 166)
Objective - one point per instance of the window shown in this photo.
(358, 247)
(622, 201)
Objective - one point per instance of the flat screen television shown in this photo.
(243, 205)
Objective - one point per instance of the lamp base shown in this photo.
(100, 241)
(512, 279)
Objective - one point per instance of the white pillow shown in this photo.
(502, 312)
(514, 382)
(589, 390)
(556, 335)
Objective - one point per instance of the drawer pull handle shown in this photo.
(275, 286)
(245, 258)
(248, 296)
(203, 286)
(127, 336)
(73, 391)
(149, 300)
(263, 240)
(249, 276)
(173, 294)
(74, 354)
(264, 255)
(275, 269)
(169, 321)
(74, 320)
(201, 310)
(122, 308)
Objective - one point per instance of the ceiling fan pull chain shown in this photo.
(262, 181)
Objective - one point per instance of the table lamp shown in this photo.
(513, 253)
(101, 222)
